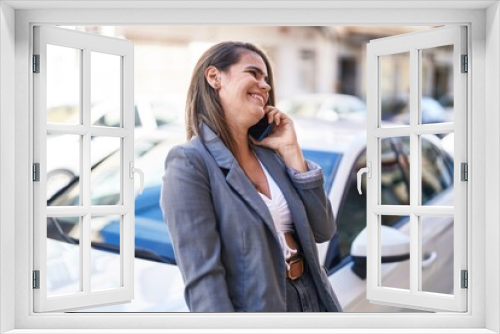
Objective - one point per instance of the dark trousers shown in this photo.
(301, 295)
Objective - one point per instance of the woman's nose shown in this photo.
(264, 85)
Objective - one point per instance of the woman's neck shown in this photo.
(243, 151)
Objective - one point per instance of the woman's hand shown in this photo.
(283, 139)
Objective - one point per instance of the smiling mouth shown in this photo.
(258, 98)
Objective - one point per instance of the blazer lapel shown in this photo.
(280, 176)
(235, 176)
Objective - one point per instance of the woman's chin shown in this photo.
(260, 113)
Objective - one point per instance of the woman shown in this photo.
(244, 216)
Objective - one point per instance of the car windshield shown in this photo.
(320, 106)
(301, 108)
(346, 104)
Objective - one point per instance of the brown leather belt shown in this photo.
(295, 262)
(296, 270)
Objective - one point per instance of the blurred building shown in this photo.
(307, 59)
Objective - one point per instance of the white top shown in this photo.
(282, 218)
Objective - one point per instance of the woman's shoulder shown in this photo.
(191, 150)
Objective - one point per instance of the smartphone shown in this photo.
(260, 130)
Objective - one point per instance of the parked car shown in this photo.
(324, 106)
(339, 148)
(151, 113)
(432, 112)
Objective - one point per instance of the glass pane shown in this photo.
(437, 85)
(63, 165)
(395, 252)
(395, 171)
(106, 175)
(105, 270)
(437, 172)
(63, 84)
(351, 219)
(395, 89)
(436, 234)
(63, 255)
(105, 93)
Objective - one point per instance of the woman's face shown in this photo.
(244, 91)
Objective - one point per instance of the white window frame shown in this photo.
(483, 21)
(413, 44)
(123, 51)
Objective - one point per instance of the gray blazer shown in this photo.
(223, 235)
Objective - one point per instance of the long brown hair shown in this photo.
(203, 104)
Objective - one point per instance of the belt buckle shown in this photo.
(291, 263)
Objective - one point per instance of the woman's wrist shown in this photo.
(293, 157)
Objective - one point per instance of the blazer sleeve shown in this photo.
(188, 211)
(310, 187)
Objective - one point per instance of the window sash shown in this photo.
(413, 43)
(86, 43)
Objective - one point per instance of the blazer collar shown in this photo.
(221, 154)
(225, 159)
(237, 179)
(235, 176)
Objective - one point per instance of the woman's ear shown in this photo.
(212, 75)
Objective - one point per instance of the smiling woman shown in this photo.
(244, 216)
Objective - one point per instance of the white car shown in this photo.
(339, 148)
(63, 162)
(330, 107)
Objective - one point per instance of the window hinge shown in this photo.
(465, 279)
(465, 64)
(36, 63)
(464, 171)
(36, 279)
(36, 172)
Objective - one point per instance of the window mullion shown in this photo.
(415, 96)
(82, 130)
(85, 172)
(127, 227)
(85, 158)
(443, 128)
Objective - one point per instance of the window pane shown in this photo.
(436, 234)
(395, 88)
(63, 165)
(394, 253)
(351, 218)
(437, 85)
(105, 91)
(395, 171)
(105, 264)
(437, 173)
(63, 84)
(106, 176)
(63, 256)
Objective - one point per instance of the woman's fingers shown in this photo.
(271, 111)
(274, 115)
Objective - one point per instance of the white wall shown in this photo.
(492, 165)
(7, 160)
(337, 16)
